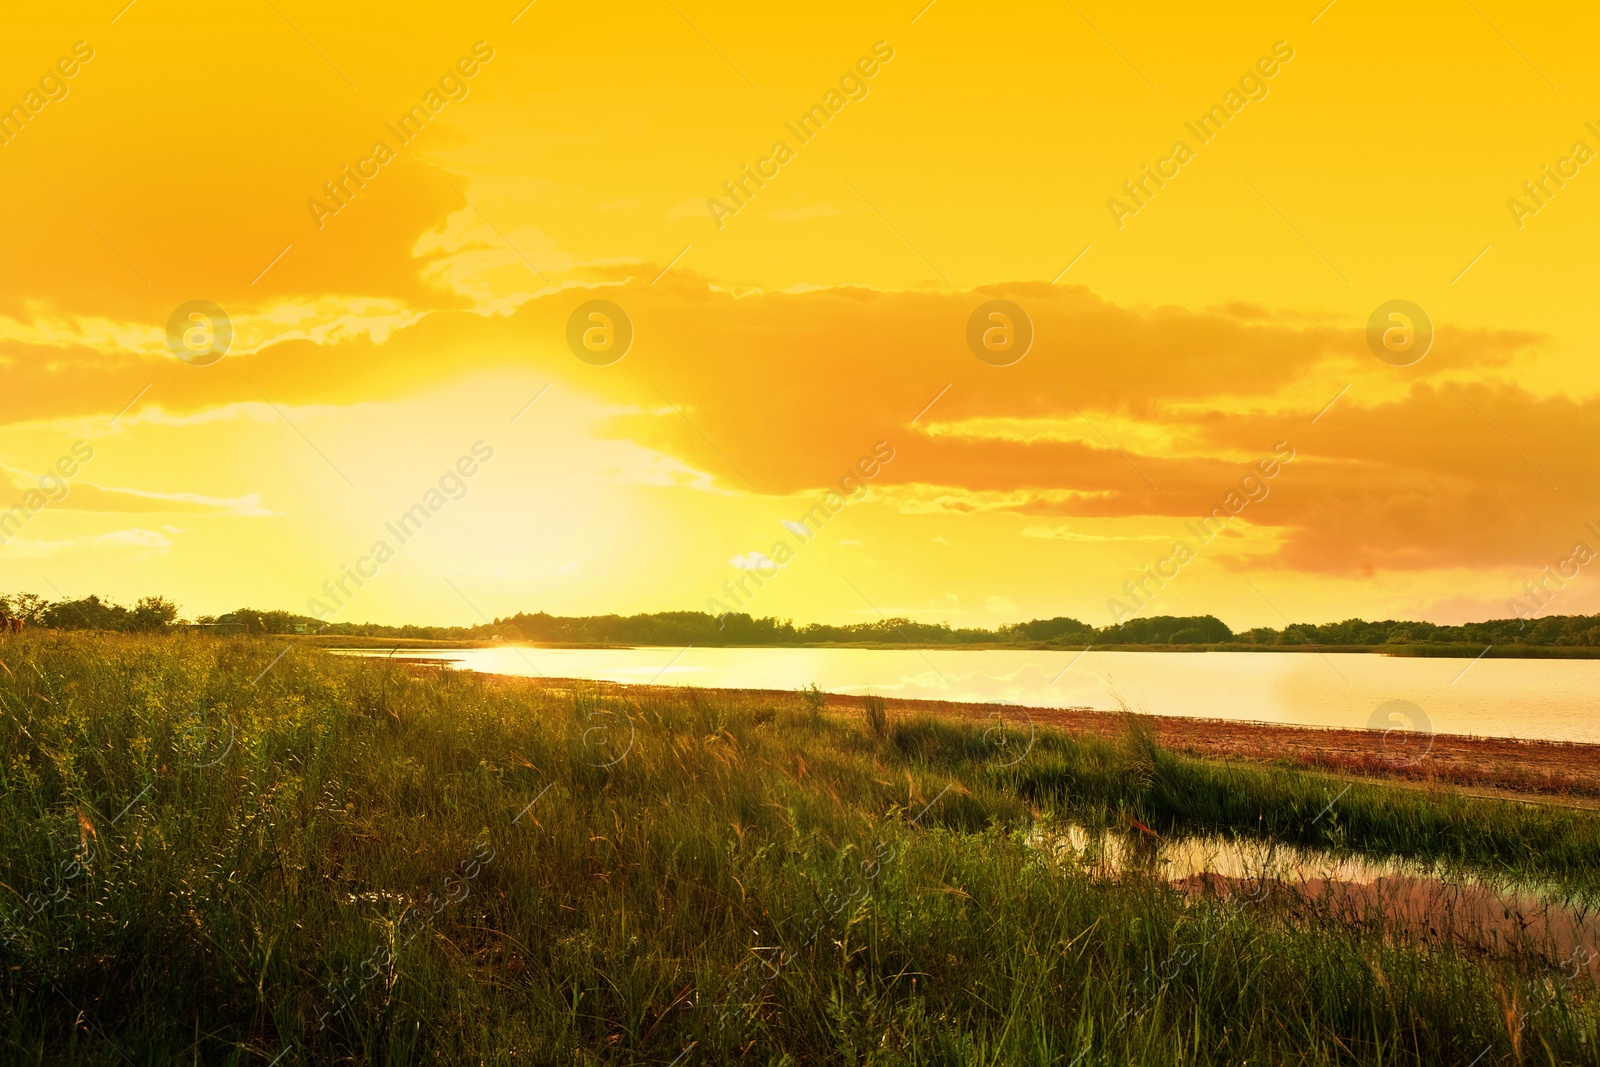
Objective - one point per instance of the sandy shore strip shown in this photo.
(1546, 771)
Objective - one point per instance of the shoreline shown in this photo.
(1565, 773)
(1442, 651)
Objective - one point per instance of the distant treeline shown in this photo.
(699, 628)
(152, 613)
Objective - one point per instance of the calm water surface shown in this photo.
(1557, 700)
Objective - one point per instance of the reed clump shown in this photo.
(877, 715)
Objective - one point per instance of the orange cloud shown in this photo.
(776, 392)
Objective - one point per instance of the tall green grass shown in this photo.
(346, 862)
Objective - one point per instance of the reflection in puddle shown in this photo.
(1416, 901)
(1175, 859)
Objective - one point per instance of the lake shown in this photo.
(1544, 699)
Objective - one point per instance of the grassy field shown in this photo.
(216, 856)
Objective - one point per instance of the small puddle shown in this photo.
(1421, 902)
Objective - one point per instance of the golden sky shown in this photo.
(563, 153)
